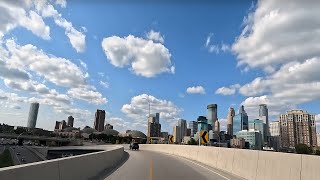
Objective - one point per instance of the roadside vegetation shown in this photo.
(5, 159)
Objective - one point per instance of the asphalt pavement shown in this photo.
(148, 165)
(2, 148)
(28, 156)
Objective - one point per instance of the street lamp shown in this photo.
(19, 136)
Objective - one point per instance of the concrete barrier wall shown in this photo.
(248, 164)
(76, 167)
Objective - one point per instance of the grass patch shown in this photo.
(5, 159)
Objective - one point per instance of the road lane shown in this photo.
(14, 156)
(147, 165)
(28, 156)
(2, 148)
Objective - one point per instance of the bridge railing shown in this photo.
(84, 166)
(248, 164)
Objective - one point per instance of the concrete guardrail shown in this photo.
(248, 164)
(79, 167)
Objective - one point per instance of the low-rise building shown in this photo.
(239, 143)
(186, 139)
(253, 137)
(108, 126)
(164, 135)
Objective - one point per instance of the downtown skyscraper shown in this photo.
(240, 121)
(33, 114)
(154, 126)
(212, 116)
(263, 115)
(99, 120)
(230, 116)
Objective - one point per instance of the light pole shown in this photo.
(19, 136)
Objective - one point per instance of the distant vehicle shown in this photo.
(18, 153)
(134, 146)
(66, 155)
(23, 159)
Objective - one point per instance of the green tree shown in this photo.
(303, 149)
(5, 159)
(192, 142)
(317, 152)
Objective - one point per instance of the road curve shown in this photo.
(147, 165)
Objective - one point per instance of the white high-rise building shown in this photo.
(183, 127)
(217, 126)
(176, 134)
(274, 139)
(274, 128)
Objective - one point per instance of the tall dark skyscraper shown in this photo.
(154, 127)
(157, 118)
(193, 125)
(230, 116)
(212, 115)
(70, 121)
(33, 114)
(99, 120)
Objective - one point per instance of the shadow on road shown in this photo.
(107, 172)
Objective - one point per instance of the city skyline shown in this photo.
(69, 65)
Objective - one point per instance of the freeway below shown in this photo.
(2, 148)
(24, 155)
(148, 165)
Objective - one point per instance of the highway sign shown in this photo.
(204, 137)
(170, 139)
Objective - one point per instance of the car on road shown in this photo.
(134, 146)
(18, 153)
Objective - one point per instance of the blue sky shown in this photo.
(74, 57)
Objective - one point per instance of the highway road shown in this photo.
(2, 148)
(28, 156)
(147, 165)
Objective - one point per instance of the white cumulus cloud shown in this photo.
(145, 57)
(88, 94)
(155, 36)
(196, 90)
(279, 32)
(282, 39)
(137, 110)
(19, 13)
(228, 90)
